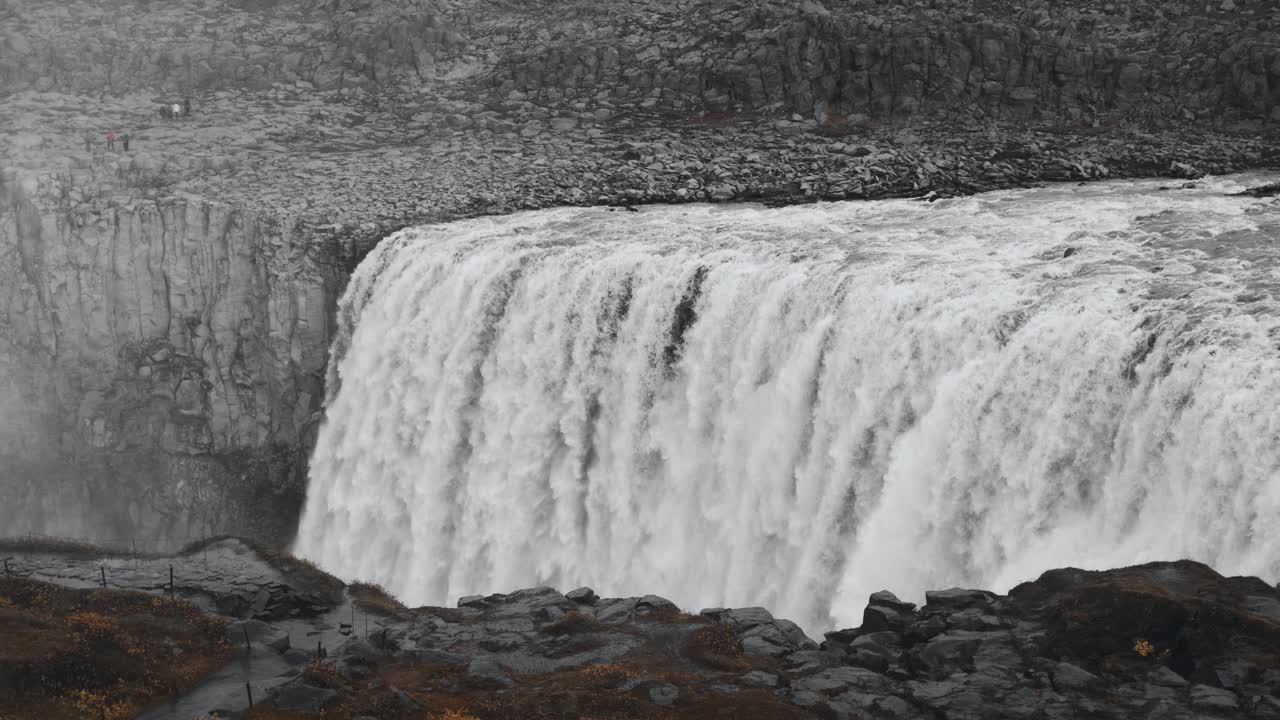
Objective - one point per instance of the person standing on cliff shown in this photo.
(111, 140)
(124, 140)
(186, 107)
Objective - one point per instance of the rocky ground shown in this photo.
(1162, 640)
(351, 170)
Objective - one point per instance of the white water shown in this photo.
(878, 395)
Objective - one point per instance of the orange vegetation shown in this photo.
(73, 654)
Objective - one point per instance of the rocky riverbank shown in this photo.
(165, 311)
(1167, 640)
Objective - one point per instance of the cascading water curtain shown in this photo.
(795, 408)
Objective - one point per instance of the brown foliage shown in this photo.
(372, 597)
(81, 653)
(717, 646)
(574, 622)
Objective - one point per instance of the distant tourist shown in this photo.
(186, 107)
(124, 140)
(177, 109)
(111, 140)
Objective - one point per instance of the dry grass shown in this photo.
(574, 622)
(673, 616)
(71, 654)
(373, 598)
(716, 646)
(62, 546)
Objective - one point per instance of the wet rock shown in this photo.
(582, 596)
(259, 633)
(355, 657)
(1261, 191)
(758, 678)
(487, 673)
(302, 698)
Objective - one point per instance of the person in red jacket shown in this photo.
(111, 140)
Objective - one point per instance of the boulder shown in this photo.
(649, 603)
(957, 599)
(582, 596)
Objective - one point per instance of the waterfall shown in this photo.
(797, 407)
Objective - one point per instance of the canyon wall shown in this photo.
(164, 362)
(165, 313)
(1075, 62)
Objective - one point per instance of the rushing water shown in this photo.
(797, 407)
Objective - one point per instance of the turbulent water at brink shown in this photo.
(797, 407)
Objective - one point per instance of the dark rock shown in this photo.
(957, 599)
(582, 596)
(650, 603)
(949, 653)
(488, 673)
(884, 598)
(259, 633)
(1261, 191)
(1204, 697)
(873, 661)
(1069, 252)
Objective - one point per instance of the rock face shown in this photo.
(164, 312)
(1080, 61)
(168, 356)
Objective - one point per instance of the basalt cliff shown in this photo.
(166, 308)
